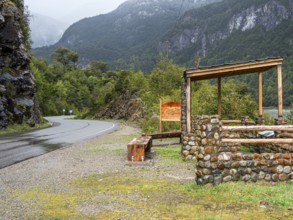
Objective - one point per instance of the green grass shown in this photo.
(170, 152)
(128, 196)
(247, 149)
(20, 128)
(280, 194)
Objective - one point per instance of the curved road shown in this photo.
(18, 147)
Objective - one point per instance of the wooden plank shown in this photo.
(236, 122)
(231, 121)
(280, 92)
(219, 96)
(258, 128)
(135, 152)
(188, 97)
(258, 141)
(285, 135)
(174, 134)
(260, 101)
(174, 120)
(137, 147)
(248, 67)
(161, 121)
(169, 111)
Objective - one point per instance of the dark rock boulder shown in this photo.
(128, 106)
(18, 102)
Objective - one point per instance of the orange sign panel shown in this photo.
(170, 111)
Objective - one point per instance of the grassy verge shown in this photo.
(20, 128)
(126, 196)
(131, 194)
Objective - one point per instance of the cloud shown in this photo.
(70, 11)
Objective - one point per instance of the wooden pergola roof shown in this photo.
(226, 70)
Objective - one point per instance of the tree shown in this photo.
(98, 66)
(165, 78)
(65, 56)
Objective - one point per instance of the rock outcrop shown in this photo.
(18, 103)
(225, 19)
(127, 107)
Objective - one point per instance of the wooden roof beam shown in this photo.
(233, 69)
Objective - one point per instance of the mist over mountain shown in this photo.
(45, 31)
(129, 33)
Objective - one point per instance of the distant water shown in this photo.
(273, 112)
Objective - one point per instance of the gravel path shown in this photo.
(101, 155)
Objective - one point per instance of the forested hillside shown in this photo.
(233, 31)
(93, 90)
(223, 32)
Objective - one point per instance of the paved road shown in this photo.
(19, 147)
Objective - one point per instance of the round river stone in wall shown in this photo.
(287, 169)
(275, 177)
(185, 153)
(268, 177)
(209, 150)
(283, 177)
(227, 179)
(207, 157)
(280, 169)
(216, 136)
(261, 175)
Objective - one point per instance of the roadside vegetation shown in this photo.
(24, 127)
(87, 91)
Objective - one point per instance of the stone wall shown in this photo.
(259, 148)
(217, 162)
(183, 106)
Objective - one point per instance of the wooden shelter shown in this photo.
(226, 70)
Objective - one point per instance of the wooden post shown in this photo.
(161, 122)
(280, 92)
(260, 110)
(188, 97)
(219, 96)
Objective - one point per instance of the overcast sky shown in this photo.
(70, 11)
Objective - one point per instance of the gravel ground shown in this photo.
(101, 155)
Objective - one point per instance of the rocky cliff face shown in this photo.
(18, 102)
(128, 106)
(225, 19)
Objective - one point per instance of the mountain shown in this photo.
(45, 31)
(124, 35)
(233, 30)
(215, 31)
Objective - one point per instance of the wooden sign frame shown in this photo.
(169, 111)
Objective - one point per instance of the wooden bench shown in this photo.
(137, 147)
(171, 134)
